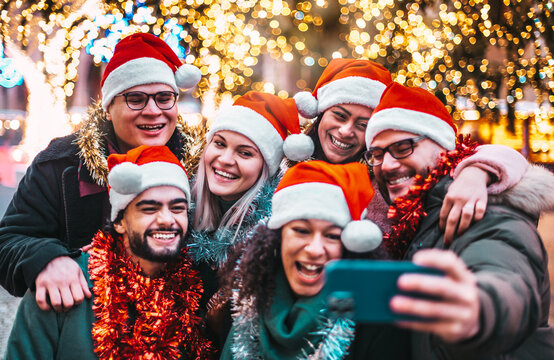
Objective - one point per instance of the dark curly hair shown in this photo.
(253, 266)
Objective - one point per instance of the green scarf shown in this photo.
(290, 325)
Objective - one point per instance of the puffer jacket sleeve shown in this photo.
(30, 230)
(509, 261)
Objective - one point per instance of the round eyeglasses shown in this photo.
(137, 100)
(398, 150)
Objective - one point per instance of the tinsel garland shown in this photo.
(138, 317)
(213, 246)
(407, 211)
(92, 145)
(337, 335)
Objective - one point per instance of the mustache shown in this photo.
(395, 174)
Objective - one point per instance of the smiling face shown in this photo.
(306, 246)
(233, 164)
(154, 225)
(341, 132)
(397, 175)
(149, 126)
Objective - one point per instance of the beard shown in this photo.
(140, 247)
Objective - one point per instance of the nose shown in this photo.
(165, 218)
(151, 107)
(315, 247)
(389, 162)
(346, 129)
(227, 157)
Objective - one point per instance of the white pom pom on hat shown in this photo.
(126, 178)
(361, 236)
(187, 76)
(298, 147)
(306, 104)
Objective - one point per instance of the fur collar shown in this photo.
(533, 194)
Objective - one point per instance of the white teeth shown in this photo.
(151, 127)
(340, 144)
(311, 267)
(399, 180)
(225, 174)
(163, 236)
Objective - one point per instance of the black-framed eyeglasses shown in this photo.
(398, 150)
(137, 100)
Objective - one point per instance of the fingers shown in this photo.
(40, 297)
(61, 285)
(444, 260)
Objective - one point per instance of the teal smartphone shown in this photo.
(361, 289)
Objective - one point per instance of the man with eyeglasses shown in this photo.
(494, 297)
(63, 198)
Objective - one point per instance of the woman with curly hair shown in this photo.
(278, 307)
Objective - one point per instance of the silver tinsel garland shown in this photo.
(337, 335)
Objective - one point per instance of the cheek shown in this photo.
(334, 251)
(251, 170)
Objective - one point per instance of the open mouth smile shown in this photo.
(151, 127)
(225, 174)
(309, 271)
(339, 144)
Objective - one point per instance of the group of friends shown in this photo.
(127, 240)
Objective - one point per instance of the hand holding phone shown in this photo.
(362, 289)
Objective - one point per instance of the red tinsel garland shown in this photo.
(164, 320)
(407, 211)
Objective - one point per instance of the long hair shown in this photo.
(207, 215)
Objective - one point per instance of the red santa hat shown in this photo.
(142, 59)
(267, 120)
(338, 193)
(345, 81)
(140, 169)
(413, 110)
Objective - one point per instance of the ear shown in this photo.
(119, 228)
(108, 115)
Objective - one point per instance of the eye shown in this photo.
(333, 235)
(301, 230)
(246, 154)
(219, 143)
(178, 208)
(136, 98)
(148, 209)
(164, 97)
(362, 125)
(340, 115)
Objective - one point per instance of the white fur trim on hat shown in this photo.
(361, 236)
(298, 147)
(309, 201)
(306, 104)
(350, 90)
(124, 188)
(145, 70)
(412, 121)
(254, 126)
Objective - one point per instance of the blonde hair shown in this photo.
(207, 214)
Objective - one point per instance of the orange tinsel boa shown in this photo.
(138, 317)
(407, 211)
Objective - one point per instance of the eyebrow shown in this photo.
(350, 114)
(158, 203)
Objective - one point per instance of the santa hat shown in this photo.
(413, 110)
(345, 81)
(266, 119)
(142, 59)
(140, 169)
(338, 193)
